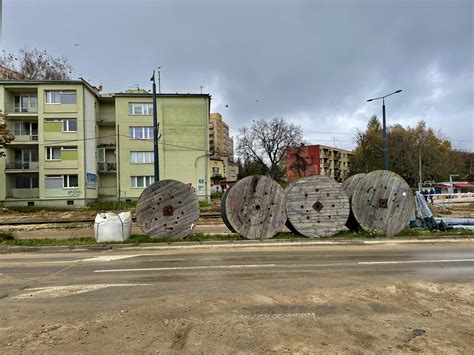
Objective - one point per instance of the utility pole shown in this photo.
(159, 80)
(419, 166)
(155, 129)
(384, 126)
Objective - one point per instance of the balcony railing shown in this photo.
(107, 167)
(12, 108)
(22, 165)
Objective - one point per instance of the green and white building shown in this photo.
(74, 146)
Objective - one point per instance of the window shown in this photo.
(70, 125)
(70, 181)
(61, 97)
(26, 182)
(140, 109)
(70, 202)
(141, 157)
(142, 181)
(26, 103)
(53, 153)
(141, 132)
(53, 182)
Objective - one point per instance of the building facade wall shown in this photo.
(183, 147)
(317, 160)
(99, 151)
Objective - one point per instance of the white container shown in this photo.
(111, 227)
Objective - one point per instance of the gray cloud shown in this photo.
(312, 62)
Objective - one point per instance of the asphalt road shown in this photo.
(327, 298)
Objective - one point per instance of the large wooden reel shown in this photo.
(382, 201)
(349, 185)
(167, 208)
(317, 206)
(223, 215)
(255, 207)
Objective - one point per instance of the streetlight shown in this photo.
(155, 129)
(385, 151)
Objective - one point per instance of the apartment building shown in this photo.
(317, 160)
(7, 74)
(74, 145)
(222, 164)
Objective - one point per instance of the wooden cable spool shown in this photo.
(223, 215)
(255, 207)
(317, 206)
(349, 186)
(167, 208)
(382, 201)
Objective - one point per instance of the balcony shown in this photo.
(107, 167)
(14, 108)
(26, 193)
(22, 165)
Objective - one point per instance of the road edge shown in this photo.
(232, 244)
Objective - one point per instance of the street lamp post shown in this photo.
(384, 125)
(155, 131)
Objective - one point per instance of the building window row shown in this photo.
(142, 181)
(141, 158)
(62, 124)
(140, 109)
(60, 153)
(141, 132)
(61, 97)
(61, 181)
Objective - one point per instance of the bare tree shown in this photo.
(266, 142)
(33, 64)
(5, 136)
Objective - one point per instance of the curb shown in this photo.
(231, 244)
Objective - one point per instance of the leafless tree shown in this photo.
(5, 136)
(266, 142)
(33, 64)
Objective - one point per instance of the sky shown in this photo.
(314, 63)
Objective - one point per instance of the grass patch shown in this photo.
(6, 236)
(115, 205)
(33, 209)
(49, 242)
(204, 204)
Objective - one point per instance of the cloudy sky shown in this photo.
(312, 62)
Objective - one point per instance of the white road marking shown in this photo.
(190, 268)
(414, 261)
(70, 290)
(109, 258)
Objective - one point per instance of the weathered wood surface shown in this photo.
(317, 206)
(167, 208)
(223, 214)
(382, 201)
(349, 185)
(255, 207)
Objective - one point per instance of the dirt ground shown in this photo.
(402, 317)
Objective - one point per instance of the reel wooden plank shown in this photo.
(382, 201)
(167, 208)
(349, 185)
(255, 207)
(317, 206)
(223, 214)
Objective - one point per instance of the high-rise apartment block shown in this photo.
(223, 167)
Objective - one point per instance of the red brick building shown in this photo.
(317, 160)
